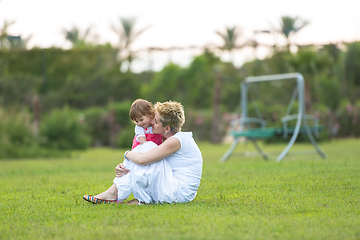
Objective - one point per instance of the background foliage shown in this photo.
(86, 83)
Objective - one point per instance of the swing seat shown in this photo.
(271, 132)
(258, 132)
(313, 130)
(243, 127)
(290, 130)
(268, 132)
(237, 129)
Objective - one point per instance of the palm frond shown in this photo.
(230, 37)
(3, 32)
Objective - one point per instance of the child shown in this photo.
(142, 113)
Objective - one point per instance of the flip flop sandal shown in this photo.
(95, 200)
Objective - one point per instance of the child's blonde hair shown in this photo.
(172, 114)
(140, 108)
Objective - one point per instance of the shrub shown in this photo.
(15, 133)
(105, 123)
(200, 123)
(95, 118)
(121, 129)
(64, 129)
(348, 116)
(18, 89)
(17, 138)
(121, 110)
(125, 138)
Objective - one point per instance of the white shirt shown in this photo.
(186, 165)
(140, 132)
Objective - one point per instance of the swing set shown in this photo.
(242, 127)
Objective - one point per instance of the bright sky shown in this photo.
(179, 23)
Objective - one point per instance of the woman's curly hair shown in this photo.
(172, 114)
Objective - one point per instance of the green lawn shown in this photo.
(302, 197)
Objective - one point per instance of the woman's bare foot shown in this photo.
(110, 194)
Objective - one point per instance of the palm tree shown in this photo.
(291, 26)
(77, 39)
(230, 38)
(216, 103)
(4, 34)
(127, 36)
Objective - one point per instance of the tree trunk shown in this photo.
(36, 109)
(215, 131)
(308, 97)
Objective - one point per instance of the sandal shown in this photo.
(95, 200)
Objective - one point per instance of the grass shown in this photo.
(302, 197)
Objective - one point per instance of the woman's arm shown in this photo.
(165, 149)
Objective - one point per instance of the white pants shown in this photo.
(152, 183)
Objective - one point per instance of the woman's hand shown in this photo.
(120, 170)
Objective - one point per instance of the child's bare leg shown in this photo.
(110, 194)
(133, 202)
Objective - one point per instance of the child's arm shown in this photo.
(140, 134)
(142, 139)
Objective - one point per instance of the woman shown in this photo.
(170, 172)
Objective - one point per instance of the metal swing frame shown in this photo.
(301, 118)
